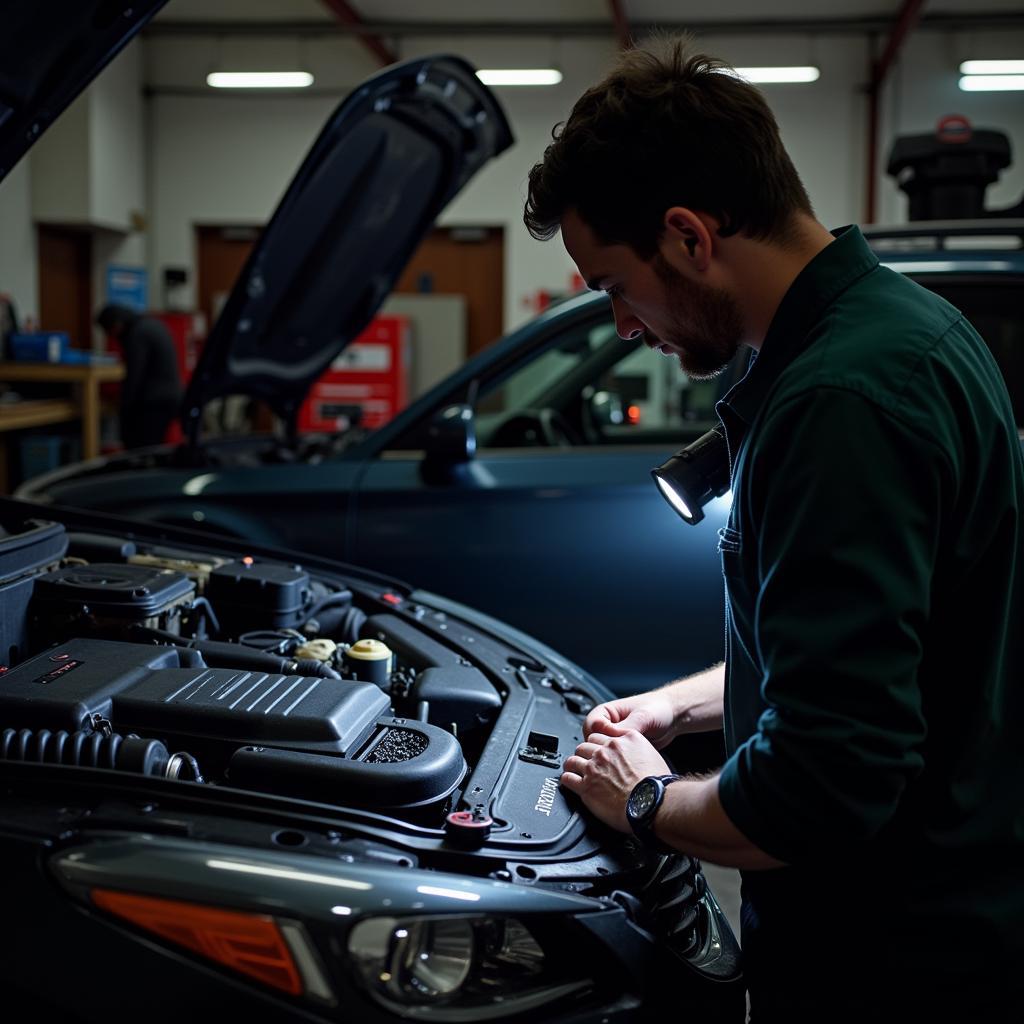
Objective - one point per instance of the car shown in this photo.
(521, 483)
(240, 780)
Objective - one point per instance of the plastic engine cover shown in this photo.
(122, 592)
(248, 594)
(325, 739)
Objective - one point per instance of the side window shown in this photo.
(588, 388)
(591, 388)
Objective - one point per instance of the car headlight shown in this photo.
(444, 968)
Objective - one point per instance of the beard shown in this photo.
(705, 328)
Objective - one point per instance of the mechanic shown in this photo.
(871, 693)
(151, 391)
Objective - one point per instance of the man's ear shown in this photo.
(686, 238)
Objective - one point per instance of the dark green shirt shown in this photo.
(874, 565)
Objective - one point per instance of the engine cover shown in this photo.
(312, 735)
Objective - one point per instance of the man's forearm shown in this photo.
(698, 700)
(692, 819)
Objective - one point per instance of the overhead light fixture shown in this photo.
(776, 75)
(520, 76)
(992, 67)
(992, 83)
(259, 79)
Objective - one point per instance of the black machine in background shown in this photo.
(945, 174)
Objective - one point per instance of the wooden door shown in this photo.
(450, 261)
(221, 253)
(468, 262)
(65, 283)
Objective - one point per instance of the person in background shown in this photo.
(8, 323)
(151, 391)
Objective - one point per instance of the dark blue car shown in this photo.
(241, 782)
(521, 484)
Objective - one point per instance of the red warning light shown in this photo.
(391, 598)
(633, 414)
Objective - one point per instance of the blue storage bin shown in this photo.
(40, 454)
(40, 347)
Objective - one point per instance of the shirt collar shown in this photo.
(815, 288)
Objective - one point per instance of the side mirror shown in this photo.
(451, 442)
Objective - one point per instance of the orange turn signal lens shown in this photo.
(251, 944)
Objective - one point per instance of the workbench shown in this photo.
(83, 405)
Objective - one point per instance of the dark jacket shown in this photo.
(151, 392)
(874, 564)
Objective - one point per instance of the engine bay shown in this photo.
(196, 689)
(260, 675)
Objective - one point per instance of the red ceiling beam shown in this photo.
(621, 23)
(906, 22)
(348, 15)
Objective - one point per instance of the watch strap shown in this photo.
(643, 826)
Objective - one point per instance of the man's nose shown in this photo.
(627, 325)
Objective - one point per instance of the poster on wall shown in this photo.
(128, 286)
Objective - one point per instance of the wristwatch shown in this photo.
(642, 806)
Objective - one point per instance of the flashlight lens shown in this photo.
(674, 499)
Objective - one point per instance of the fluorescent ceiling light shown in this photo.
(259, 79)
(992, 67)
(992, 83)
(763, 76)
(522, 76)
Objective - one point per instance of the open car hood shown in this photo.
(50, 50)
(393, 154)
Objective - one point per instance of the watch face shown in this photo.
(643, 798)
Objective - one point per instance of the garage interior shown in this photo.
(153, 187)
(181, 176)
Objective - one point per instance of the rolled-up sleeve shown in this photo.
(846, 501)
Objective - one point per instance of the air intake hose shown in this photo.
(87, 749)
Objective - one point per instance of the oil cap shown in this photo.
(468, 828)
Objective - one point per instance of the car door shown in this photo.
(555, 525)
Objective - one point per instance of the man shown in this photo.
(151, 391)
(871, 694)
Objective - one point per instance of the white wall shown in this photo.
(223, 160)
(924, 87)
(207, 158)
(88, 170)
(60, 170)
(18, 264)
(117, 151)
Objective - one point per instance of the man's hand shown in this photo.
(650, 714)
(604, 770)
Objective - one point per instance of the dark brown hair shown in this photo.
(667, 128)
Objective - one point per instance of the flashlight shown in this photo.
(695, 475)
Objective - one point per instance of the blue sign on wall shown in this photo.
(128, 286)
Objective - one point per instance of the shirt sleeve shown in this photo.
(847, 502)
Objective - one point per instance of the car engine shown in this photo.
(259, 675)
(355, 717)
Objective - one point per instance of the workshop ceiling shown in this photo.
(585, 14)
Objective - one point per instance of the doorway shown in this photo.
(468, 262)
(221, 253)
(65, 282)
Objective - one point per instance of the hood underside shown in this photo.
(50, 50)
(391, 157)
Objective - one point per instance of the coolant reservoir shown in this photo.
(371, 661)
(317, 650)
